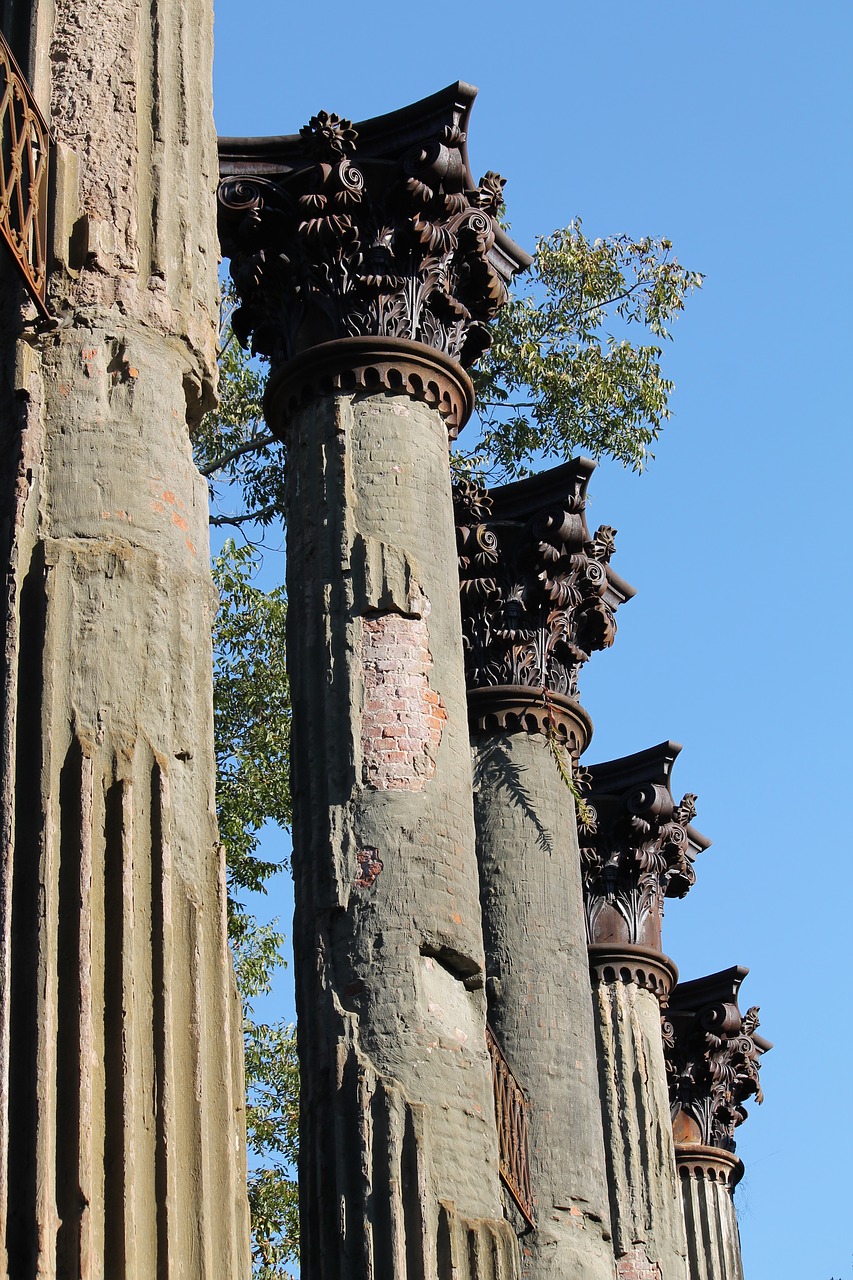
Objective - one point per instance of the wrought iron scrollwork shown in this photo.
(511, 1114)
(24, 164)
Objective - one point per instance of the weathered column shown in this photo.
(538, 596)
(368, 261)
(121, 1069)
(637, 847)
(713, 1057)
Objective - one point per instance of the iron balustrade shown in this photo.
(511, 1112)
(24, 160)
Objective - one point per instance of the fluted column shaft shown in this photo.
(122, 1148)
(399, 1164)
(539, 1006)
(648, 1229)
(708, 1178)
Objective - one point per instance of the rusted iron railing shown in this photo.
(511, 1111)
(24, 158)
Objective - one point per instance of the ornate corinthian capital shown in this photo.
(637, 847)
(538, 596)
(372, 230)
(713, 1055)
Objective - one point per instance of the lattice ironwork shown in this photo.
(511, 1111)
(24, 158)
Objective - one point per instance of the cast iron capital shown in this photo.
(371, 231)
(713, 1055)
(538, 597)
(637, 846)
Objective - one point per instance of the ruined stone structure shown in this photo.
(713, 1054)
(369, 263)
(122, 1148)
(501, 1077)
(538, 596)
(637, 848)
(433, 934)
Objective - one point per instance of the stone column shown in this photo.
(637, 847)
(713, 1055)
(368, 262)
(647, 1229)
(121, 1129)
(708, 1178)
(538, 595)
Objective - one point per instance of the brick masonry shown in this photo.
(403, 717)
(636, 1266)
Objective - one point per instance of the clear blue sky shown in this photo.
(727, 128)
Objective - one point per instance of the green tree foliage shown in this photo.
(575, 365)
(565, 372)
(272, 1110)
(251, 712)
(251, 709)
(242, 461)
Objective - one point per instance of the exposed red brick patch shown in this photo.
(369, 868)
(635, 1265)
(403, 717)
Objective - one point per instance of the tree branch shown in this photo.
(249, 446)
(231, 334)
(506, 404)
(608, 302)
(269, 510)
(577, 314)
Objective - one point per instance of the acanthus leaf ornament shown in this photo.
(369, 230)
(713, 1056)
(326, 136)
(491, 192)
(538, 595)
(639, 849)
